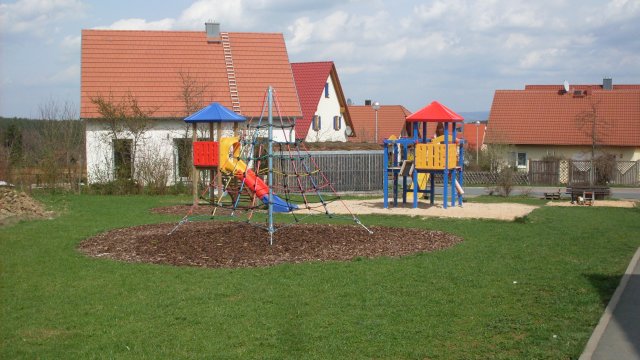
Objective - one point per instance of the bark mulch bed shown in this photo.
(219, 244)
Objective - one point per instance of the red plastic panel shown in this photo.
(205, 153)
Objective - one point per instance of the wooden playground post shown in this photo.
(218, 172)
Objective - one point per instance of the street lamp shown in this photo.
(376, 107)
(477, 143)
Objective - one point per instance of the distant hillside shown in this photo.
(472, 116)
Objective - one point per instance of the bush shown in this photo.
(116, 187)
(505, 181)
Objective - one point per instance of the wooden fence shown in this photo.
(563, 172)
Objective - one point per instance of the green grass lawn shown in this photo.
(532, 289)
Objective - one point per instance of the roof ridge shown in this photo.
(313, 62)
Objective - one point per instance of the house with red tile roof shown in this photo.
(161, 69)
(325, 115)
(473, 134)
(391, 120)
(558, 120)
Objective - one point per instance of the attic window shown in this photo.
(578, 93)
(326, 90)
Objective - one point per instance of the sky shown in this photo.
(395, 52)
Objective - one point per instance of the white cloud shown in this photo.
(140, 24)
(439, 10)
(71, 43)
(518, 40)
(302, 29)
(333, 26)
(623, 9)
(37, 17)
(542, 58)
(229, 13)
(68, 75)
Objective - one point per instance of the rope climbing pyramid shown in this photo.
(267, 178)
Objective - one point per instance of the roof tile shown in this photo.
(545, 115)
(147, 64)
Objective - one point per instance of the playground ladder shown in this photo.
(231, 72)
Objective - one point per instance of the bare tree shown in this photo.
(61, 145)
(192, 93)
(124, 120)
(595, 128)
(588, 123)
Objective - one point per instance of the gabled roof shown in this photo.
(391, 121)
(435, 112)
(469, 133)
(148, 64)
(310, 78)
(546, 115)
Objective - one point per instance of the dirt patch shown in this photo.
(15, 206)
(499, 211)
(231, 244)
(598, 203)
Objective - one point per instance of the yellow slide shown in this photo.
(423, 181)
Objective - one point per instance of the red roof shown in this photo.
(470, 131)
(310, 78)
(391, 121)
(148, 64)
(435, 112)
(545, 115)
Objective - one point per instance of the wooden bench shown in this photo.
(595, 192)
(552, 195)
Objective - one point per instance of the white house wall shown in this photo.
(157, 144)
(537, 152)
(328, 107)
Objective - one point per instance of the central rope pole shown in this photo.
(270, 164)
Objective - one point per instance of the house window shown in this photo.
(337, 122)
(326, 90)
(521, 160)
(317, 123)
(183, 157)
(122, 158)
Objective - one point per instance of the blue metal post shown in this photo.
(454, 175)
(432, 190)
(395, 175)
(385, 175)
(445, 188)
(461, 172)
(270, 163)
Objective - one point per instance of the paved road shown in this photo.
(617, 335)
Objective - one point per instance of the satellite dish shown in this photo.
(566, 86)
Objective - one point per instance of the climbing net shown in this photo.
(298, 184)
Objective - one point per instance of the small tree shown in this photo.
(124, 120)
(62, 143)
(595, 128)
(498, 154)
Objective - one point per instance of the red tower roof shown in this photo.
(435, 112)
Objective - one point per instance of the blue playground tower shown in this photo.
(420, 158)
